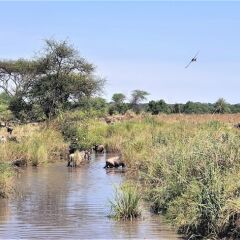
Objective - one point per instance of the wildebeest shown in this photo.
(114, 162)
(77, 158)
(99, 148)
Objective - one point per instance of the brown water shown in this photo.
(56, 202)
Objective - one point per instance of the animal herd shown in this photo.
(77, 158)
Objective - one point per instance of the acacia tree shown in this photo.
(52, 81)
(137, 97)
(118, 98)
(15, 75)
(118, 103)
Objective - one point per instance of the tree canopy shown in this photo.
(118, 98)
(156, 107)
(57, 77)
(137, 97)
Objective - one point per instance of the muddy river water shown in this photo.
(56, 202)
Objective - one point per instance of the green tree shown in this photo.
(16, 75)
(197, 107)
(52, 81)
(235, 108)
(4, 105)
(221, 106)
(118, 98)
(156, 107)
(118, 104)
(137, 97)
(177, 108)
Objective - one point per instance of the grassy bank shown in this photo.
(6, 174)
(189, 168)
(34, 145)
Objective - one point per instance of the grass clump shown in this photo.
(126, 203)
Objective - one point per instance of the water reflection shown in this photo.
(60, 202)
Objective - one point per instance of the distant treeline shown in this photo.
(220, 106)
(157, 107)
(119, 106)
(60, 80)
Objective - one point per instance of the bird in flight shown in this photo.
(194, 59)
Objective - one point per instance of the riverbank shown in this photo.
(190, 170)
(188, 165)
(56, 202)
(29, 144)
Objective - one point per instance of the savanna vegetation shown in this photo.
(187, 167)
(184, 157)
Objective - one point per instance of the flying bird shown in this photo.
(194, 59)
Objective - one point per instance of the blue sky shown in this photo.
(138, 45)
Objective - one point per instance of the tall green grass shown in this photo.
(125, 205)
(5, 179)
(187, 170)
(35, 145)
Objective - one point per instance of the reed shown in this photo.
(125, 205)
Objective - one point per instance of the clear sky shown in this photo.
(138, 45)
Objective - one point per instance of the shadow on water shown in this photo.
(58, 202)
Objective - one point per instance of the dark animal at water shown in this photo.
(78, 158)
(194, 59)
(114, 162)
(99, 148)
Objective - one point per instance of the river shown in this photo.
(56, 202)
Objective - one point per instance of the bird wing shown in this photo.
(192, 59)
(188, 64)
(196, 54)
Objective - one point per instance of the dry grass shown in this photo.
(200, 118)
(36, 144)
